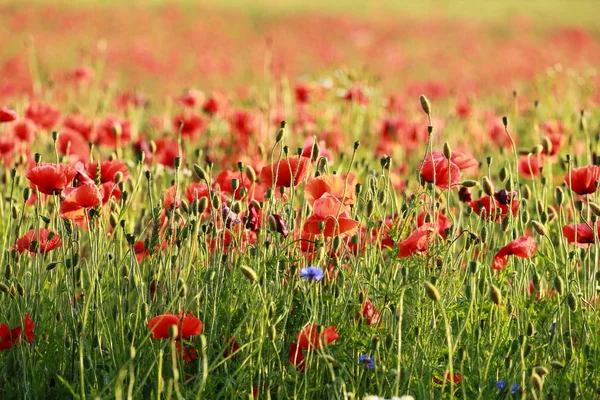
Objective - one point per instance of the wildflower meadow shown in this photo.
(299, 200)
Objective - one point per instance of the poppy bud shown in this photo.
(537, 149)
(181, 287)
(484, 234)
(26, 194)
(572, 302)
(505, 224)
(595, 208)
(337, 242)
(51, 265)
(215, 202)
(473, 266)
(250, 174)
(201, 205)
(200, 172)
(358, 188)
(249, 273)
(559, 196)
(37, 158)
(526, 192)
(537, 382)
(572, 390)
(502, 174)
(8, 272)
(269, 193)
(547, 145)
(530, 329)
(381, 197)
(280, 132)
(488, 187)
(541, 371)
(3, 288)
(432, 292)
(356, 145)
(447, 150)
(370, 208)
(15, 212)
(505, 121)
(524, 217)
(557, 365)
(495, 295)
(539, 228)
(78, 275)
(469, 183)
(425, 105)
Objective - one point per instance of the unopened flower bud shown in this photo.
(495, 295)
(425, 105)
(432, 292)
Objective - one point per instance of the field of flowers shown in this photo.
(260, 202)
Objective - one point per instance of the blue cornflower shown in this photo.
(368, 360)
(501, 384)
(515, 388)
(312, 273)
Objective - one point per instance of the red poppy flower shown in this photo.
(113, 131)
(583, 180)
(9, 337)
(445, 173)
(191, 125)
(76, 201)
(444, 223)
(108, 170)
(167, 149)
(108, 190)
(286, 172)
(370, 313)
(29, 326)
(12, 337)
(24, 130)
(44, 115)
(187, 353)
(580, 233)
(231, 348)
(523, 247)
(418, 241)
(191, 98)
(531, 166)
(41, 241)
(72, 144)
(80, 124)
(297, 357)
(332, 184)
(7, 115)
(50, 178)
(456, 377)
(310, 337)
(497, 206)
(329, 212)
(172, 198)
(462, 160)
(243, 124)
(188, 325)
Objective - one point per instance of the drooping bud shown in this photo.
(432, 292)
(495, 295)
(488, 187)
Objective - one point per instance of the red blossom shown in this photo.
(188, 325)
(523, 247)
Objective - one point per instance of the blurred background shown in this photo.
(167, 46)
